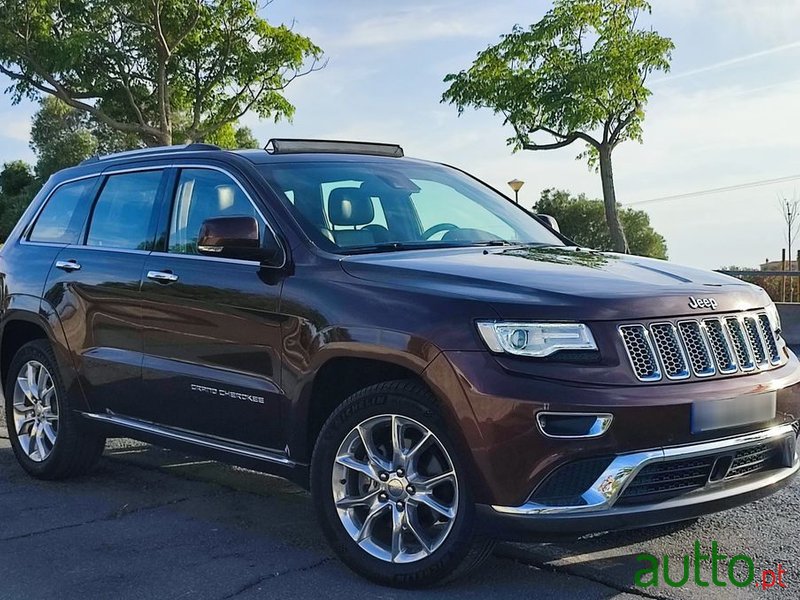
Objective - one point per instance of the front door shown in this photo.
(211, 325)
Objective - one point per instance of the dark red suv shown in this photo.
(439, 366)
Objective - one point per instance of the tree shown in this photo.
(18, 186)
(15, 177)
(581, 219)
(577, 75)
(163, 70)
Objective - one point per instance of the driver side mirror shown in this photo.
(237, 238)
(549, 221)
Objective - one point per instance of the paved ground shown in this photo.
(151, 523)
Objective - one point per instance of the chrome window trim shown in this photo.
(269, 226)
(657, 376)
(164, 166)
(26, 232)
(190, 437)
(623, 469)
(681, 350)
(707, 344)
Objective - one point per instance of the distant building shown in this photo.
(775, 265)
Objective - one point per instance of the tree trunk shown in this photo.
(610, 200)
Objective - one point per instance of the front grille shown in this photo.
(690, 347)
(697, 347)
(741, 349)
(640, 352)
(660, 481)
(566, 485)
(670, 350)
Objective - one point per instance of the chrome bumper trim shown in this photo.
(191, 438)
(605, 491)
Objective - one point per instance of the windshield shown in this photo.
(349, 207)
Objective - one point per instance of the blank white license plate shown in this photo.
(733, 412)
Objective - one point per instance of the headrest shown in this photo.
(350, 206)
(226, 197)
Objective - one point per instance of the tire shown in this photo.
(434, 545)
(59, 446)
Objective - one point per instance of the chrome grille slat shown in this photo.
(670, 350)
(697, 348)
(757, 344)
(640, 351)
(721, 345)
(740, 345)
(769, 338)
(715, 345)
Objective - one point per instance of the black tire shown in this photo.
(460, 552)
(75, 450)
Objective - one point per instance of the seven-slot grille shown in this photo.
(701, 347)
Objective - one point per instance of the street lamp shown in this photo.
(516, 185)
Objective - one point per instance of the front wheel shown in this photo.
(391, 489)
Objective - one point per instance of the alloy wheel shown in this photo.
(395, 488)
(35, 411)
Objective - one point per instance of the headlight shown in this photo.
(535, 339)
(774, 317)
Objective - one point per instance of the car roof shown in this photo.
(147, 156)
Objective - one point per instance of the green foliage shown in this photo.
(579, 70)
(232, 137)
(15, 177)
(18, 186)
(156, 69)
(582, 219)
(577, 75)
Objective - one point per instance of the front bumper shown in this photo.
(598, 509)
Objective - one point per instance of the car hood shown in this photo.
(558, 282)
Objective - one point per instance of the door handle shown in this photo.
(67, 265)
(162, 276)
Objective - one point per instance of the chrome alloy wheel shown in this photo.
(35, 411)
(395, 488)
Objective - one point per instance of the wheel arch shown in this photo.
(27, 318)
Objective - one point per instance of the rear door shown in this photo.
(212, 332)
(94, 286)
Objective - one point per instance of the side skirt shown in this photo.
(226, 451)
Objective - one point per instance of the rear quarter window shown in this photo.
(64, 214)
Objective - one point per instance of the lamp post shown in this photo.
(516, 185)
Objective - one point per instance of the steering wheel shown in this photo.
(432, 231)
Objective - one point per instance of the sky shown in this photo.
(726, 114)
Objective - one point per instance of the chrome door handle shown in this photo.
(162, 276)
(67, 265)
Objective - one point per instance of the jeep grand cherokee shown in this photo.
(440, 367)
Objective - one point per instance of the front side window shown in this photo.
(61, 220)
(204, 194)
(123, 214)
(348, 206)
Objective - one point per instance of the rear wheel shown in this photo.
(391, 489)
(46, 436)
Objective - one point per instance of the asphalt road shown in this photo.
(152, 523)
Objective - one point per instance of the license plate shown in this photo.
(733, 412)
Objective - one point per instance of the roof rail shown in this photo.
(299, 146)
(197, 147)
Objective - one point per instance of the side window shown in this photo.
(61, 220)
(204, 194)
(123, 214)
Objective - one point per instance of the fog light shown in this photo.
(573, 425)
